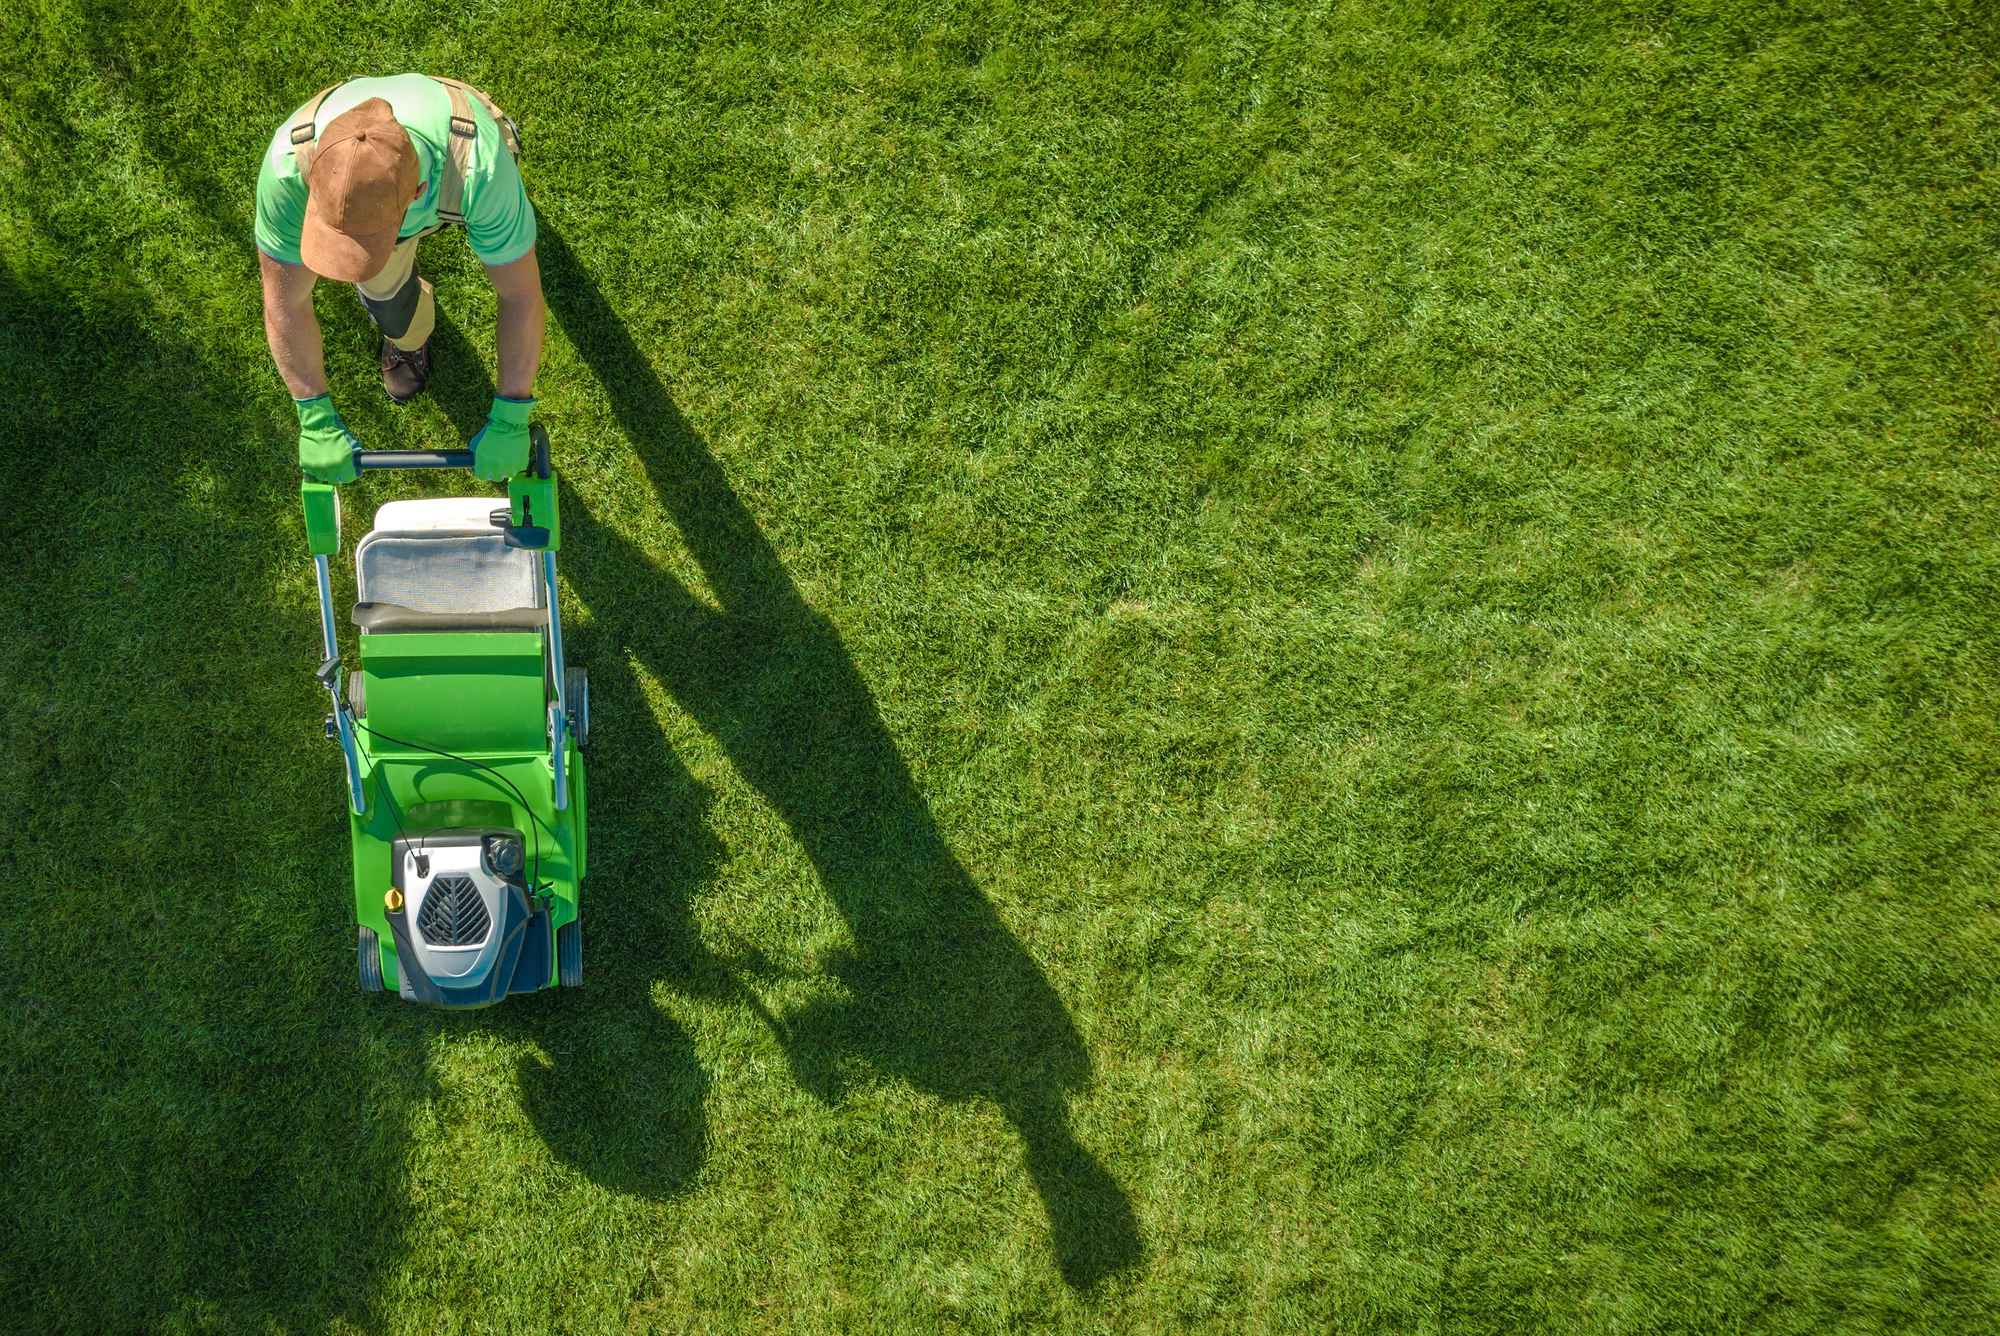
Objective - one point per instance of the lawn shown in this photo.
(1255, 668)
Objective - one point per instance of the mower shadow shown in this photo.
(936, 991)
(617, 1091)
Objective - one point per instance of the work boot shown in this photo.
(405, 372)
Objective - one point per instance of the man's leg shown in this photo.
(402, 307)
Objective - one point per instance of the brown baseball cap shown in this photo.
(362, 178)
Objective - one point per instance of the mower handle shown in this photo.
(367, 460)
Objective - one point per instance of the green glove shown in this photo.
(500, 449)
(326, 446)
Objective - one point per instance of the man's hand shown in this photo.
(326, 446)
(500, 450)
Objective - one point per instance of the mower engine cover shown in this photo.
(467, 922)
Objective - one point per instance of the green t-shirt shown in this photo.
(498, 219)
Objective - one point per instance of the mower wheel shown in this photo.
(357, 698)
(576, 695)
(368, 954)
(569, 954)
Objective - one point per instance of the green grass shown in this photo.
(1256, 668)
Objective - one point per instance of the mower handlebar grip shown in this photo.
(538, 462)
(367, 460)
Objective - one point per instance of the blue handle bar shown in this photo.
(368, 460)
(365, 460)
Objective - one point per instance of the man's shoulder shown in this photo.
(421, 105)
(277, 160)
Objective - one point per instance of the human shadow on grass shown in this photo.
(936, 991)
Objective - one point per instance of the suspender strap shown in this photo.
(458, 154)
(305, 128)
(510, 133)
(464, 135)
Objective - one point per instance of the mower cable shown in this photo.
(534, 826)
(396, 815)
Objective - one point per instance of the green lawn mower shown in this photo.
(461, 733)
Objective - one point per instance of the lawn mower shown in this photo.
(461, 734)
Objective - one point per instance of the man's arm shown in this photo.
(326, 446)
(291, 328)
(518, 285)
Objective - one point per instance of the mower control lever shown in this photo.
(532, 536)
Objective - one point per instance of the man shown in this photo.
(349, 184)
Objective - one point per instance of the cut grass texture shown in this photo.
(1256, 668)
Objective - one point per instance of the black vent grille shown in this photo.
(454, 914)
